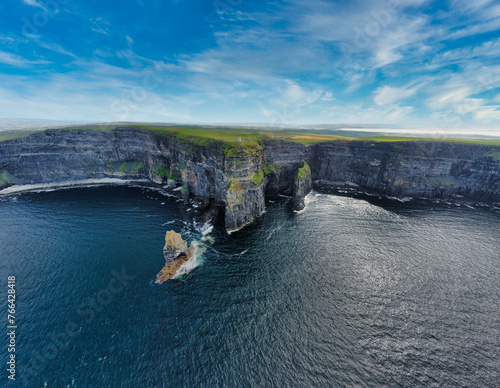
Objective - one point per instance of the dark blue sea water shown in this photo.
(348, 293)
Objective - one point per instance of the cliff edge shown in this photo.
(236, 174)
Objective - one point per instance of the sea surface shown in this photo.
(350, 292)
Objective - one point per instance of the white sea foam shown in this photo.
(277, 229)
(67, 184)
(230, 232)
(195, 260)
(206, 229)
(309, 198)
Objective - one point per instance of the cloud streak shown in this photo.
(394, 62)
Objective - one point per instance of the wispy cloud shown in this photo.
(386, 95)
(34, 3)
(420, 62)
(100, 26)
(18, 61)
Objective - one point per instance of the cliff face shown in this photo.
(62, 155)
(413, 169)
(244, 199)
(282, 159)
(237, 176)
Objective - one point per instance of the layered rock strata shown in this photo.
(236, 177)
(302, 185)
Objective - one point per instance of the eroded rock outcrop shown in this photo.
(302, 185)
(244, 196)
(176, 253)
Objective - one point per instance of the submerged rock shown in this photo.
(176, 253)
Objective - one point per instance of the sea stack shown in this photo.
(302, 185)
(176, 253)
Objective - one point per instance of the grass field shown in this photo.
(9, 135)
(201, 135)
(448, 140)
(246, 136)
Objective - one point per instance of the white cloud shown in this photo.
(362, 114)
(487, 114)
(486, 51)
(295, 94)
(100, 26)
(449, 97)
(104, 93)
(468, 18)
(327, 96)
(34, 3)
(292, 72)
(18, 61)
(396, 113)
(401, 41)
(387, 95)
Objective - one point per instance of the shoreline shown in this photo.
(69, 184)
(457, 200)
(340, 190)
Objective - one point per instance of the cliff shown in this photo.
(236, 176)
(413, 169)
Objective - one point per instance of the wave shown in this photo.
(274, 230)
(206, 229)
(195, 260)
(199, 249)
(43, 187)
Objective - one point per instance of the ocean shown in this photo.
(351, 292)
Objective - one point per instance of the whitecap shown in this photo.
(206, 229)
(42, 187)
(194, 261)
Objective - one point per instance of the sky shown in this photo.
(398, 63)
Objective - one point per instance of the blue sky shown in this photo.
(405, 63)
